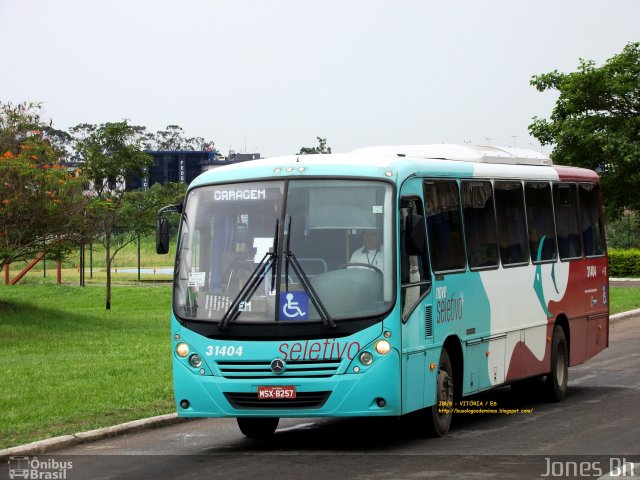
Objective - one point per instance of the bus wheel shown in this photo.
(439, 420)
(258, 427)
(556, 384)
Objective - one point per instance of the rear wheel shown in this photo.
(439, 415)
(556, 383)
(258, 427)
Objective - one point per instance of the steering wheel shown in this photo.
(361, 265)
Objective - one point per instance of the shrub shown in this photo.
(624, 263)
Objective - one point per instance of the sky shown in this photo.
(270, 76)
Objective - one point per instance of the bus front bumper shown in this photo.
(373, 392)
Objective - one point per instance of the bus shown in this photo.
(383, 282)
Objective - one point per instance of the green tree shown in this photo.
(140, 208)
(18, 122)
(596, 124)
(321, 148)
(42, 205)
(173, 138)
(624, 232)
(111, 152)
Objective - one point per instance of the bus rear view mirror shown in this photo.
(162, 236)
(162, 227)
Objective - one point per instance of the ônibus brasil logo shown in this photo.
(35, 468)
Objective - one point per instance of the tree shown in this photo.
(172, 138)
(42, 205)
(624, 232)
(140, 208)
(111, 152)
(596, 124)
(321, 148)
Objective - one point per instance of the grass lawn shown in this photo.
(68, 365)
(624, 299)
(95, 271)
(99, 277)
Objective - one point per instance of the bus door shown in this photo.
(415, 302)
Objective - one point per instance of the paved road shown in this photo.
(627, 282)
(595, 430)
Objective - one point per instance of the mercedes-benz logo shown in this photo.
(278, 365)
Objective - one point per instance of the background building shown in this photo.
(183, 166)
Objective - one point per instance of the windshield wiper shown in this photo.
(304, 280)
(268, 262)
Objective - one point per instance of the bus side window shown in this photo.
(414, 267)
(512, 226)
(480, 224)
(542, 235)
(444, 225)
(592, 226)
(566, 207)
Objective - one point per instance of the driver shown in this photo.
(371, 252)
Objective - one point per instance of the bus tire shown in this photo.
(556, 383)
(439, 415)
(258, 427)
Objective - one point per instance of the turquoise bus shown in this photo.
(381, 282)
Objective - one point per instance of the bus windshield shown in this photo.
(333, 251)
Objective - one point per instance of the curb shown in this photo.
(42, 446)
(55, 443)
(624, 315)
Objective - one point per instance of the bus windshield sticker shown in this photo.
(377, 209)
(262, 246)
(197, 279)
(294, 306)
(217, 303)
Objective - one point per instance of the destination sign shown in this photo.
(240, 194)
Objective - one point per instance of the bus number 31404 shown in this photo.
(224, 351)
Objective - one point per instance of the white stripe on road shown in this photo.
(296, 427)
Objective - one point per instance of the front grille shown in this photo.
(243, 401)
(261, 369)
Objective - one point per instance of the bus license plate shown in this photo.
(268, 393)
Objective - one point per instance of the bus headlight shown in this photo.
(366, 359)
(182, 349)
(195, 360)
(383, 347)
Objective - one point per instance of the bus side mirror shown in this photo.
(162, 236)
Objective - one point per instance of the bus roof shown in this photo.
(403, 160)
(465, 153)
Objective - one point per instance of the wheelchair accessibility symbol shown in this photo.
(294, 306)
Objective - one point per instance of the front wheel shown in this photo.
(556, 383)
(258, 427)
(439, 415)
